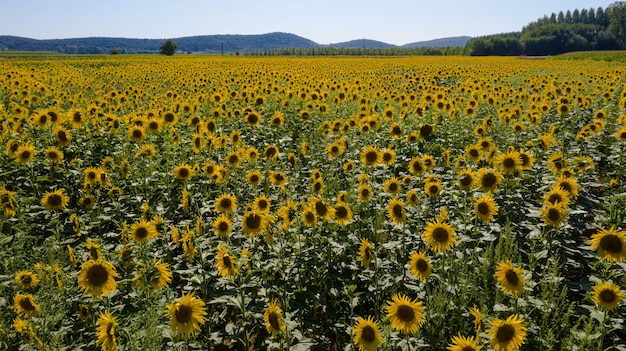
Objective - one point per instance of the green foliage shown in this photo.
(168, 47)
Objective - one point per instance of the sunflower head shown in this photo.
(366, 334)
(610, 244)
(607, 296)
(187, 315)
(508, 334)
(407, 316)
(510, 278)
(420, 265)
(273, 318)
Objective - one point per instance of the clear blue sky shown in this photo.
(323, 21)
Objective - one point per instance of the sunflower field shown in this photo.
(238, 203)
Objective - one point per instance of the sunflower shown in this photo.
(183, 172)
(366, 253)
(387, 156)
(407, 316)
(254, 177)
(93, 247)
(416, 167)
(97, 277)
(364, 193)
(420, 265)
(278, 178)
(62, 136)
(432, 188)
(277, 119)
(607, 296)
(87, 201)
(348, 166)
(342, 213)
(370, 156)
(466, 179)
(222, 226)
(273, 318)
(509, 162)
(309, 216)
(25, 153)
(488, 180)
(510, 278)
(412, 197)
(609, 244)
(225, 203)
(187, 315)
(366, 334)
(621, 134)
(568, 184)
(253, 119)
(106, 331)
(462, 343)
(271, 152)
(473, 153)
(26, 279)
(253, 222)
(485, 208)
(554, 214)
(24, 305)
(396, 211)
(556, 162)
(392, 185)
(226, 264)
(507, 335)
(143, 231)
(556, 195)
(8, 202)
(287, 214)
(154, 276)
(53, 154)
(395, 131)
(426, 130)
(322, 210)
(84, 313)
(55, 200)
(439, 235)
(136, 133)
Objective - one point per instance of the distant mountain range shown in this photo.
(212, 44)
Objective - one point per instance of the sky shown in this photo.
(323, 21)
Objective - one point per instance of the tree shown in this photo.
(168, 47)
(617, 24)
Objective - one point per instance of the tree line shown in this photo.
(578, 30)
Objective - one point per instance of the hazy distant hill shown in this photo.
(362, 43)
(439, 43)
(223, 43)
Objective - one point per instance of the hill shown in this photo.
(212, 44)
(439, 43)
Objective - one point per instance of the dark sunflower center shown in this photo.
(53, 155)
(262, 204)
(228, 263)
(309, 217)
(511, 277)
(508, 162)
(554, 198)
(371, 156)
(278, 177)
(253, 221)
(222, 226)
(483, 208)
(55, 200)
(27, 304)
(137, 133)
(341, 212)
(183, 314)
(94, 253)
(25, 155)
(317, 186)
(270, 152)
(417, 167)
(393, 187)
(505, 333)
(387, 157)
(468, 348)
(252, 118)
(611, 243)
(554, 214)
(226, 203)
(466, 180)
(365, 193)
(440, 235)
(489, 180)
(433, 189)
(397, 210)
(320, 208)
(396, 130)
(474, 153)
(274, 321)
(405, 313)
(426, 130)
(169, 117)
(141, 233)
(254, 178)
(607, 296)
(233, 159)
(26, 279)
(368, 334)
(421, 265)
(97, 275)
(183, 172)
